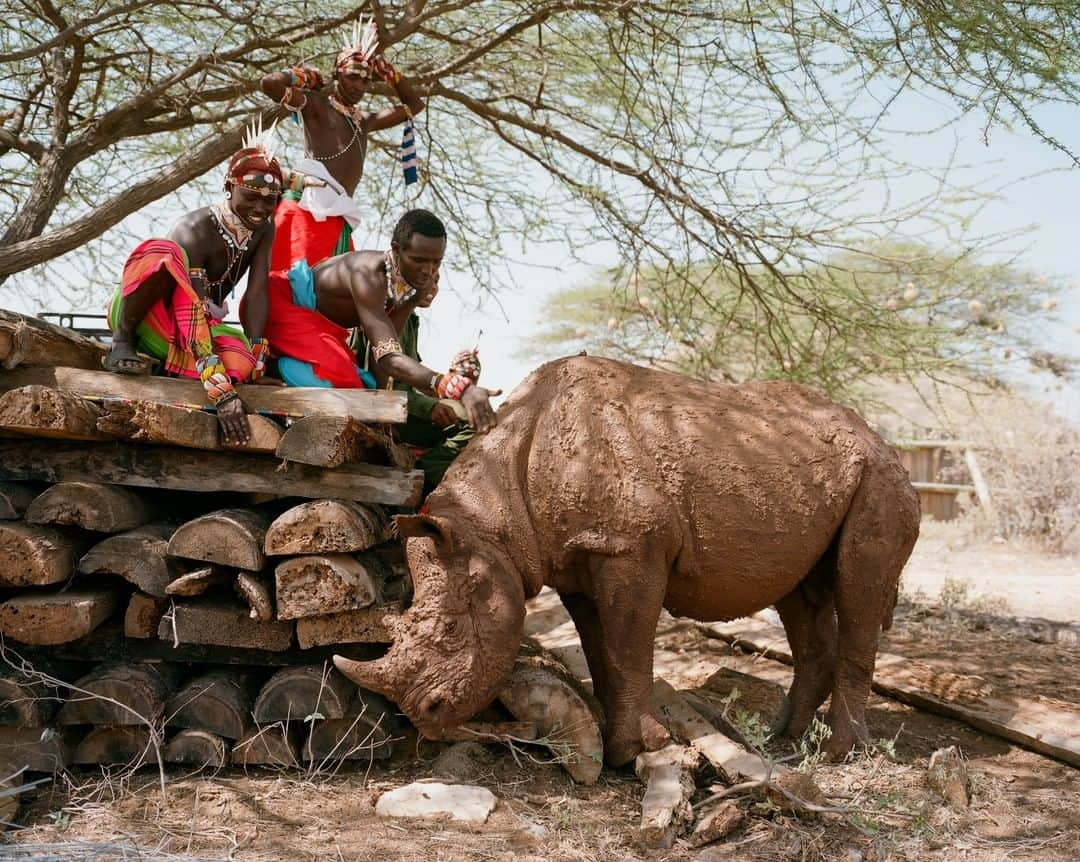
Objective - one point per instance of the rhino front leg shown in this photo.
(626, 595)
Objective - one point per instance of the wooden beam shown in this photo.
(38, 411)
(186, 469)
(55, 618)
(370, 625)
(942, 487)
(227, 537)
(300, 692)
(120, 693)
(92, 506)
(326, 527)
(223, 624)
(315, 585)
(982, 490)
(26, 340)
(1044, 725)
(218, 702)
(328, 441)
(32, 555)
(364, 405)
(140, 557)
(172, 425)
(665, 807)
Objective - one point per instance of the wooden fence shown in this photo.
(935, 466)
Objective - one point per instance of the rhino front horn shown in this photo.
(373, 675)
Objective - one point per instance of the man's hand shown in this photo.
(481, 414)
(232, 417)
(442, 415)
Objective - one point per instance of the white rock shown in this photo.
(433, 799)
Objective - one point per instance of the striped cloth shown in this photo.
(409, 161)
(176, 330)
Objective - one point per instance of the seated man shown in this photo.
(312, 309)
(171, 298)
(317, 216)
(433, 427)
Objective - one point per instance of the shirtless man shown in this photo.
(171, 299)
(318, 214)
(312, 309)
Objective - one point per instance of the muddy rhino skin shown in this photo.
(627, 490)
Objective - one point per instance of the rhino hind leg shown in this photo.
(809, 617)
(874, 543)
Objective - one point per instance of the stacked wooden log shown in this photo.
(150, 578)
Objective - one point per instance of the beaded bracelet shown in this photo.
(260, 351)
(215, 379)
(452, 385)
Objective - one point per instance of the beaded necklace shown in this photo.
(236, 236)
(355, 118)
(398, 290)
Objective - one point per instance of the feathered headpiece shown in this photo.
(355, 55)
(254, 167)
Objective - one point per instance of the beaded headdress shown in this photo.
(354, 56)
(254, 167)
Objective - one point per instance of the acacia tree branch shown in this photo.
(71, 29)
(22, 255)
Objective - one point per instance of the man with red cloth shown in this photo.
(171, 300)
(312, 309)
(318, 214)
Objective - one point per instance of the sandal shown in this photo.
(122, 359)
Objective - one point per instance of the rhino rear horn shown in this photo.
(425, 527)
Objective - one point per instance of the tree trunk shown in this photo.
(26, 340)
(326, 527)
(197, 748)
(140, 557)
(316, 585)
(92, 506)
(298, 692)
(228, 537)
(217, 702)
(36, 556)
(39, 411)
(121, 693)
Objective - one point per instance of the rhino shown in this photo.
(628, 490)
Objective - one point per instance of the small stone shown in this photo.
(716, 823)
(800, 785)
(947, 775)
(433, 799)
(852, 855)
(463, 761)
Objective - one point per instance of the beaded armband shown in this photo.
(385, 348)
(305, 78)
(215, 379)
(260, 350)
(385, 70)
(452, 385)
(286, 100)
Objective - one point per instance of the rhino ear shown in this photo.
(425, 527)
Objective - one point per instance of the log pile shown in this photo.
(149, 577)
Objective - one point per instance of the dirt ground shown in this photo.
(1023, 806)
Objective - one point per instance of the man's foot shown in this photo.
(122, 359)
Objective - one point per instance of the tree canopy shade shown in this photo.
(737, 133)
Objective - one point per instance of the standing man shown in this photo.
(312, 309)
(171, 300)
(318, 214)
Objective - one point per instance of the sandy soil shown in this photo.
(1024, 806)
(1001, 577)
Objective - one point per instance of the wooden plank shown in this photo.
(364, 405)
(942, 488)
(316, 585)
(931, 444)
(56, 618)
(92, 506)
(120, 693)
(139, 556)
(198, 581)
(38, 411)
(1043, 725)
(173, 425)
(326, 527)
(186, 469)
(982, 491)
(108, 643)
(223, 624)
(300, 692)
(227, 537)
(32, 555)
(370, 625)
(688, 726)
(26, 340)
(665, 806)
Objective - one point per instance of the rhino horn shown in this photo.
(375, 675)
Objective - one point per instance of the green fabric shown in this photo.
(443, 444)
(343, 239)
